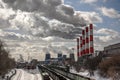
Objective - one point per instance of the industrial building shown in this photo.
(112, 49)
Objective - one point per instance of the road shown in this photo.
(27, 75)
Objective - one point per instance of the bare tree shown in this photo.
(6, 63)
(92, 64)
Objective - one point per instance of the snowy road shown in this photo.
(27, 75)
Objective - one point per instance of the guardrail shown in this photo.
(40, 72)
(14, 73)
(71, 75)
(67, 74)
(51, 73)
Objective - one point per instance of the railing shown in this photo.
(51, 73)
(71, 76)
(40, 72)
(66, 74)
(14, 73)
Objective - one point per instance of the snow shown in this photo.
(86, 74)
(22, 74)
(98, 77)
(0, 78)
(10, 73)
(27, 75)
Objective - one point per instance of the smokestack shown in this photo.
(83, 42)
(91, 39)
(81, 52)
(87, 41)
(77, 47)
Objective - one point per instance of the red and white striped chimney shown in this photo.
(81, 52)
(91, 40)
(87, 41)
(83, 42)
(77, 47)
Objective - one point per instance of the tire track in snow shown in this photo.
(20, 75)
(35, 77)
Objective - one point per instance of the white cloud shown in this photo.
(2, 33)
(107, 31)
(36, 49)
(28, 26)
(109, 12)
(88, 1)
(105, 37)
(6, 13)
(14, 36)
(2, 4)
(90, 17)
(44, 22)
(41, 26)
(5, 16)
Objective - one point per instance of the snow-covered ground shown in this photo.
(86, 74)
(22, 74)
(10, 73)
(27, 75)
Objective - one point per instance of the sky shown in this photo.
(36, 27)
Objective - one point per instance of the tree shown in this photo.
(6, 63)
(110, 66)
(92, 64)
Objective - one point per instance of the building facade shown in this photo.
(47, 56)
(112, 49)
(60, 56)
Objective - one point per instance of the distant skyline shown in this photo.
(39, 26)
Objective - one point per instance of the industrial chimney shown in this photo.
(77, 47)
(91, 40)
(85, 42)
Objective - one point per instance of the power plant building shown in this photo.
(112, 49)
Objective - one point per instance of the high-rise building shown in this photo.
(47, 56)
(60, 56)
(64, 56)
